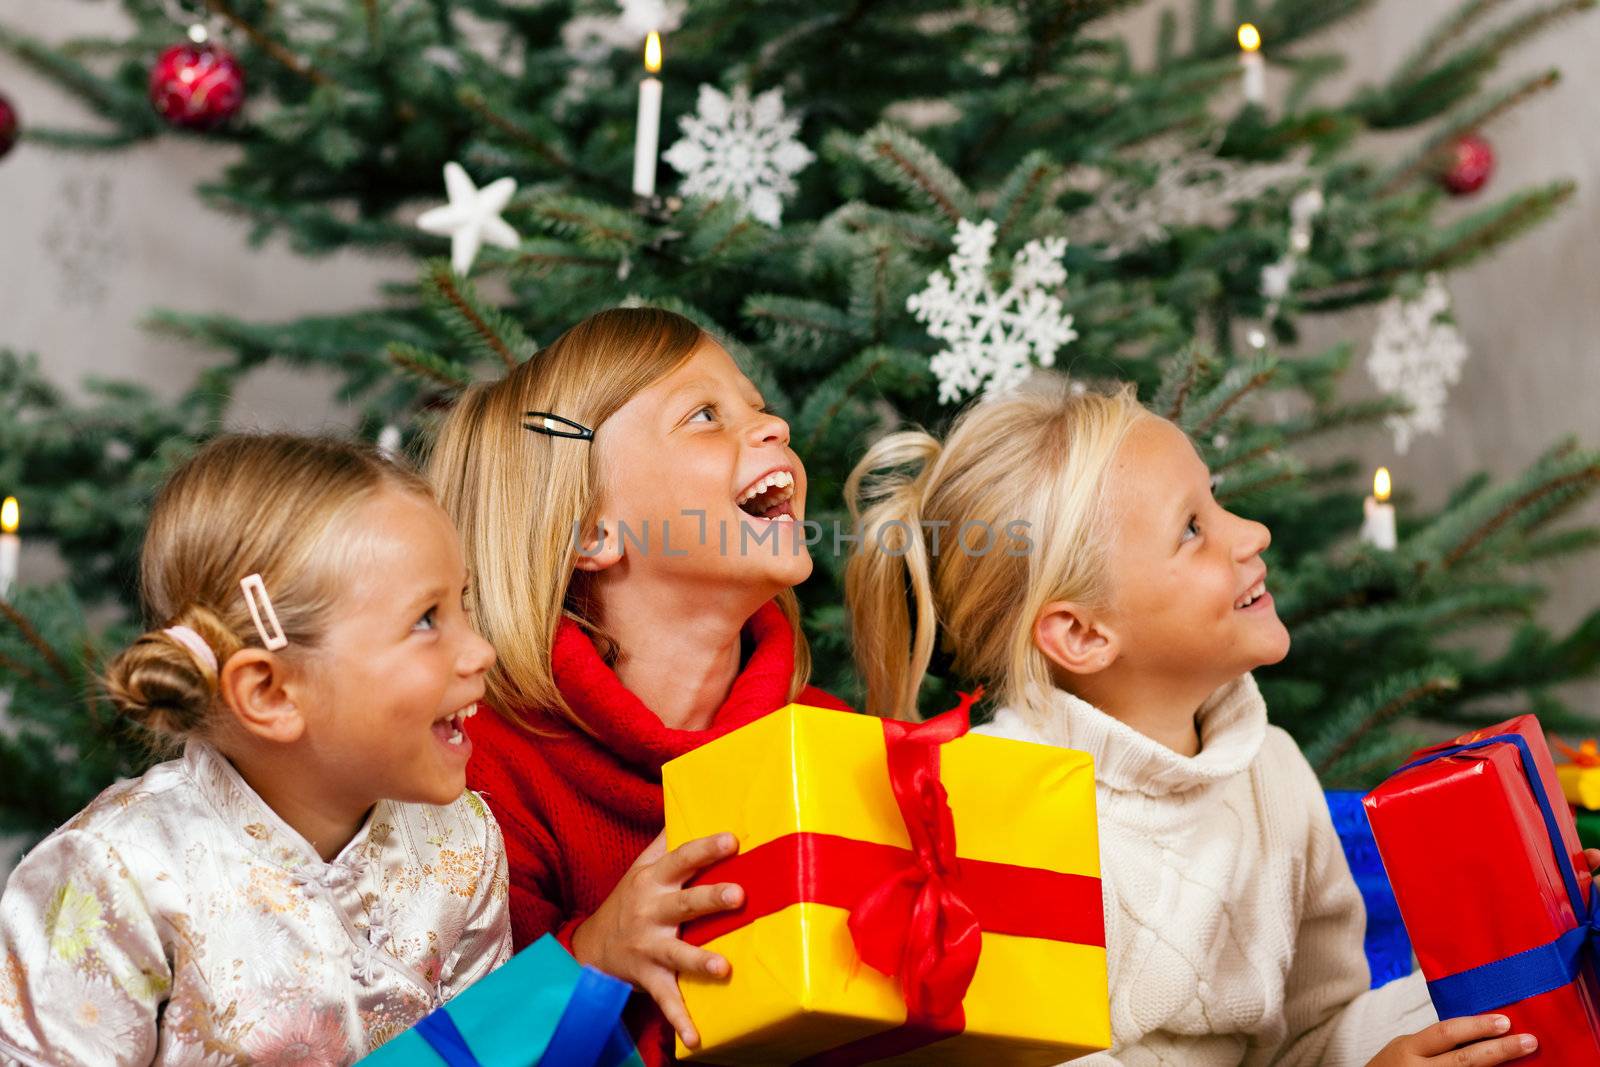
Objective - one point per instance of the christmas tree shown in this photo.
(882, 209)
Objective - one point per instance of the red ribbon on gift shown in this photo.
(916, 914)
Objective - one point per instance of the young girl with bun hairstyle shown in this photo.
(309, 878)
(1090, 580)
(630, 511)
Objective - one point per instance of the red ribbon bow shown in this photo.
(917, 914)
(1587, 754)
(913, 925)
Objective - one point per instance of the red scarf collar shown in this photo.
(636, 735)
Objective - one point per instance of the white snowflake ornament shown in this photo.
(472, 216)
(994, 338)
(741, 149)
(1417, 354)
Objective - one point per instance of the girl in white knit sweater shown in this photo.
(1068, 553)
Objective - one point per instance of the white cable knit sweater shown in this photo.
(1233, 927)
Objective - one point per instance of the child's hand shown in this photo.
(1477, 1036)
(1591, 856)
(634, 933)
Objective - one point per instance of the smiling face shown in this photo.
(1188, 588)
(401, 666)
(702, 440)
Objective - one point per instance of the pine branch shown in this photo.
(22, 671)
(902, 160)
(20, 623)
(130, 111)
(474, 100)
(1469, 119)
(1485, 231)
(796, 321)
(1183, 374)
(275, 49)
(1451, 26)
(1019, 191)
(459, 298)
(1584, 480)
(1390, 699)
(1238, 383)
(429, 367)
(593, 224)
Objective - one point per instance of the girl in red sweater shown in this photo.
(630, 510)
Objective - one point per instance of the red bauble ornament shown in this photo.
(8, 125)
(1469, 163)
(196, 86)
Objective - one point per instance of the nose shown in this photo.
(477, 656)
(768, 429)
(1253, 539)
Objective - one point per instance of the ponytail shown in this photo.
(887, 510)
(168, 686)
(1031, 463)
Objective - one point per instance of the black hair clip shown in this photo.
(553, 425)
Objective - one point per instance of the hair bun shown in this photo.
(162, 685)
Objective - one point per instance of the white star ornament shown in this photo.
(471, 217)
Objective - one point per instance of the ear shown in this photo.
(1075, 638)
(600, 552)
(255, 687)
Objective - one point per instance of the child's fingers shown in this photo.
(653, 851)
(662, 986)
(1447, 1034)
(700, 900)
(1486, 1053)
(685, 958)
(1591, 856)
(681, 864)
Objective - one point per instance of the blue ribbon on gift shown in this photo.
(587, 1033)
(1539, 969)
(1388, 947)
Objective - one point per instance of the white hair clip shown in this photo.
(259, 603)
(191, 640)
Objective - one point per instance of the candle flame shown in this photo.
(1380, 485)
(652, 53)
(8, 515)
(1249, 37)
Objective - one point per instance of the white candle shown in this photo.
(647, 134)
(1253, 63)
(1378, 529)
(10, 547)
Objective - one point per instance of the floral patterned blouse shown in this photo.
(178, 920)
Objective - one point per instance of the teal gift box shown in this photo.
(540, 1009)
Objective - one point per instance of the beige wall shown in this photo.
(88, 244)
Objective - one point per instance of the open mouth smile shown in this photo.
(450, 728)
(769, 497)
(1256, 594)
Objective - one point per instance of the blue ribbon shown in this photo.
(1539, 969)
(442, 1035)
(582, 1037)
(587, 1035)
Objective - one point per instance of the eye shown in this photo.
(709, 409)
(1191, 530)
(429, 620)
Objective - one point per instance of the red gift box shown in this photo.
(1484, 858)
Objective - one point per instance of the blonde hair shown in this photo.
(1038, 457)
(270, 504)
(516, 496)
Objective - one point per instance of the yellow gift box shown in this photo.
(1580, 779)
(808, 793)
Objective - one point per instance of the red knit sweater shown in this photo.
(577, 810)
